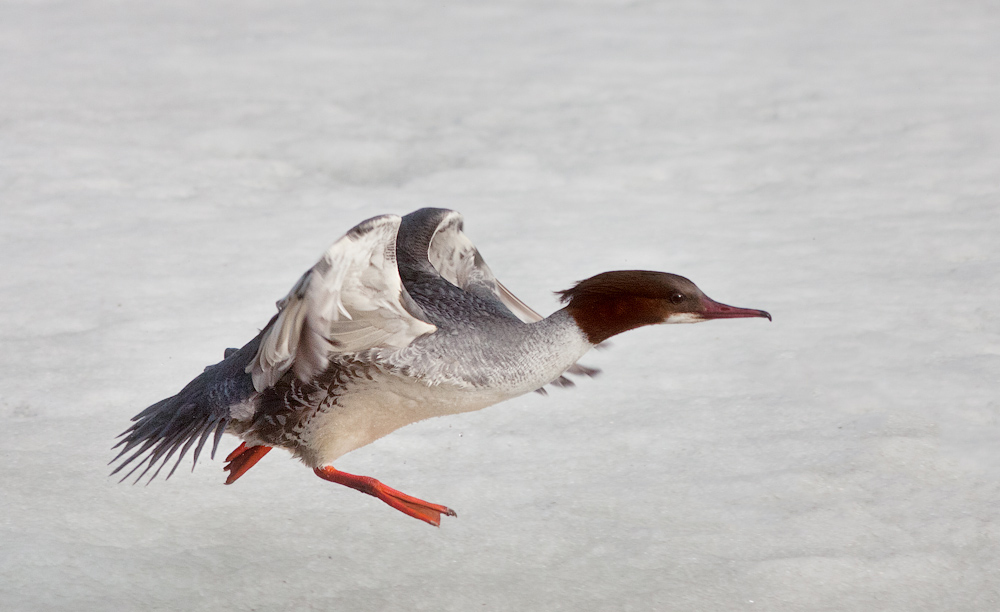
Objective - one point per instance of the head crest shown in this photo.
(636, 283)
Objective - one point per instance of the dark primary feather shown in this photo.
(431, 247)
(199, 412)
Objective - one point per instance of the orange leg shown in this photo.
(417, 508)
(242, 459)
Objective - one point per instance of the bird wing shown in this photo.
(458, 261)
(352, 300)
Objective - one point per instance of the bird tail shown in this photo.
(199, 412)
(167, 426)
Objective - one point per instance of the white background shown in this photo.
(168, 169)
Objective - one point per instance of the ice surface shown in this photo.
(168, 169)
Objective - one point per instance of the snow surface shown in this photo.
(168, 169)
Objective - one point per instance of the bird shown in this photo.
(399, 321)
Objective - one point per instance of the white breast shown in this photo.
(367, 409)
(376, 408)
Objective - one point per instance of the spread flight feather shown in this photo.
(352, 300)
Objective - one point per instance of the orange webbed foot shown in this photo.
(242, 459)
(411, 506)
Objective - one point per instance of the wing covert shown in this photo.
(352, 300)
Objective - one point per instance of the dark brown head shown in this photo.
(613, 302)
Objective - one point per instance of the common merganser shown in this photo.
(399, 321)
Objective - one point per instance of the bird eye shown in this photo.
(677, 298)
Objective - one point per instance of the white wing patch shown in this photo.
(350, 301)
(458, 261)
